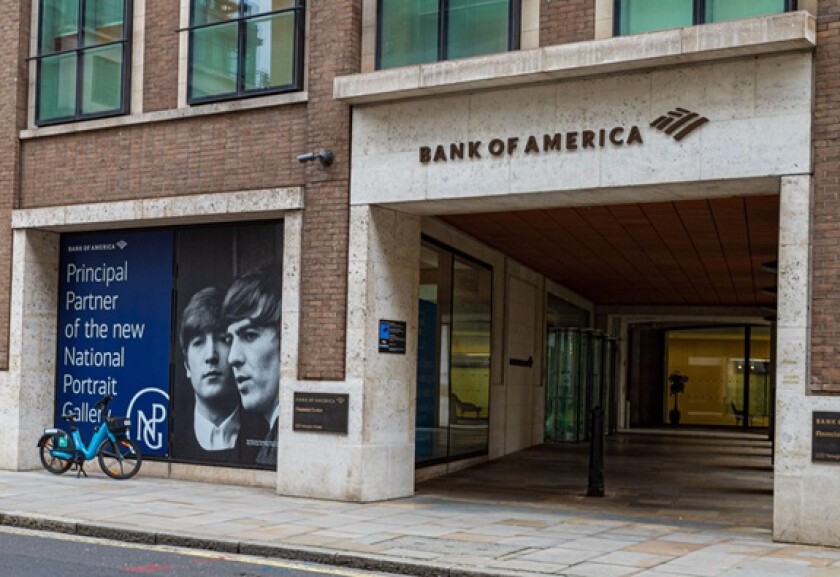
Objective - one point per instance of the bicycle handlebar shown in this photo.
(100, 405)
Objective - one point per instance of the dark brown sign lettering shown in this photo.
(569, 141)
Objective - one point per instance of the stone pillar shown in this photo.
(806, 507)
(27, 389)
(375, 460)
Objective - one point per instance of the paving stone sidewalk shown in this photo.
(421, 535)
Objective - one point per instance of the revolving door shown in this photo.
(580, 375)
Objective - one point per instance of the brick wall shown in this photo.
(825, 313)
(214, 153)
(14, 44)
(565, 21)
(160, 55)
(335, 49)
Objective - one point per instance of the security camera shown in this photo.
(325, 156)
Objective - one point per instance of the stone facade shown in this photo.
(759, 126)
(352, 230)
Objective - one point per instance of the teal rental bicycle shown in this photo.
(119, 457)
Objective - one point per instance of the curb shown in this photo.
(292, 553)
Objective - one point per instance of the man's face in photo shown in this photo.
(255, 358)
(207, 365)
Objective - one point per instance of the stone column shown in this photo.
(27, 389)
(806, 507)
(375, 460)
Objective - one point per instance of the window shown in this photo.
(417, 31)
(83, 49)
(453, 357)
(728, 368)
(244, 48)
(635, 16)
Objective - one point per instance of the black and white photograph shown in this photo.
(227, 373)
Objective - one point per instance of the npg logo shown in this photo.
(148, 411)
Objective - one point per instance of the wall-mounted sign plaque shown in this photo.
(321, 412)
(392, 337)
(825, 437)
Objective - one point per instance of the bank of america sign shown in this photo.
(677, 123)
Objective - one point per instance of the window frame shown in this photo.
(514, 31)
(698, 15)
(79, 50)
(241, 23)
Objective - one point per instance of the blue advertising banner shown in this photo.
(114, 323)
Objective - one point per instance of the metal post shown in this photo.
(596, 454)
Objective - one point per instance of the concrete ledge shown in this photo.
(115, 533)
(299, 553)
(39, 522)
(741, 38)
(190, 542)
(483, 573)
(380, 564)
(165, 115)
(219, 206)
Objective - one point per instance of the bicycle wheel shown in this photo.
(54, 465)
(120, 460)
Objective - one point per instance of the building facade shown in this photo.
(430, 206)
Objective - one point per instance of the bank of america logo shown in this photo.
(679, 122)
(122, 244)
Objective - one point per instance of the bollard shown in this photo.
(596, 454)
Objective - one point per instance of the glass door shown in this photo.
(580, 375)
(568, 390)
(453, 357)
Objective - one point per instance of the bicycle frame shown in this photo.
(100, 435)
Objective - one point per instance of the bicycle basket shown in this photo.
(62, 444)
(119, 425)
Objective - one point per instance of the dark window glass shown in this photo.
(417, 31)
(721, 10)
(244, 47)
(408, 32)
(645, 15)
(477, 27)
(635, 16)
(82, 59)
